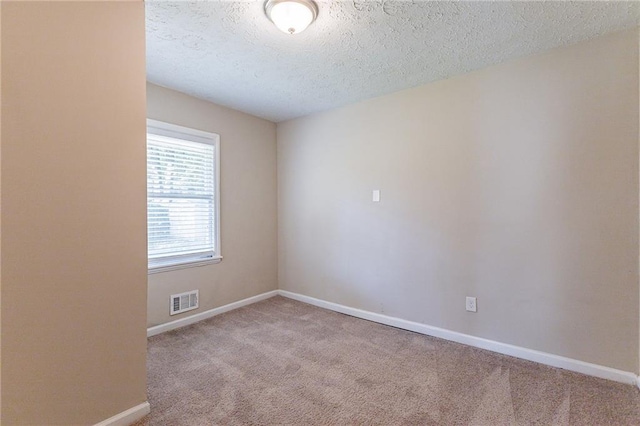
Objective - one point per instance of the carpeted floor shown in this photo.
(282, 362)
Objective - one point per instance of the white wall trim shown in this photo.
(478, 342)
(466, 339)
(127, 417)
(182, 322)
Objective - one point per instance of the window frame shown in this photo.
(163, 129)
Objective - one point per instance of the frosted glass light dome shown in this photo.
(291, 16)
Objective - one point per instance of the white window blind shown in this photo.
(181, 199)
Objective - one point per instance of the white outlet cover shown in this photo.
(376, 196)
(472, 305)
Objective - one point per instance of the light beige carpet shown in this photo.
(281, 362)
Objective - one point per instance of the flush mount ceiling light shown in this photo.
(291, 16)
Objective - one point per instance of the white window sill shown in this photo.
(184, 265)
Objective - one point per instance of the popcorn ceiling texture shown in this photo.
(230, 53)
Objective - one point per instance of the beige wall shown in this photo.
(0, 211)
(517, 184)
(248, 207)
(73, 248)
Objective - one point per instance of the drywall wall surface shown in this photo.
(73, 211)
(248, 205)
(0, 210)
(517, 184)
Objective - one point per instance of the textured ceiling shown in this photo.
(228, 52)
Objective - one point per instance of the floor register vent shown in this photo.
(184, 302)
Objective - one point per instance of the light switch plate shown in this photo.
(376, 196)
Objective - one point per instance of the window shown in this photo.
(183, 197)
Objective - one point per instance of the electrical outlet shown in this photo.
(472, 304)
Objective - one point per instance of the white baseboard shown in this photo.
(466, 339)
(127, 417)
(478, 342)
(152, 331)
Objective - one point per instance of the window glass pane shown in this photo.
(180, 200)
